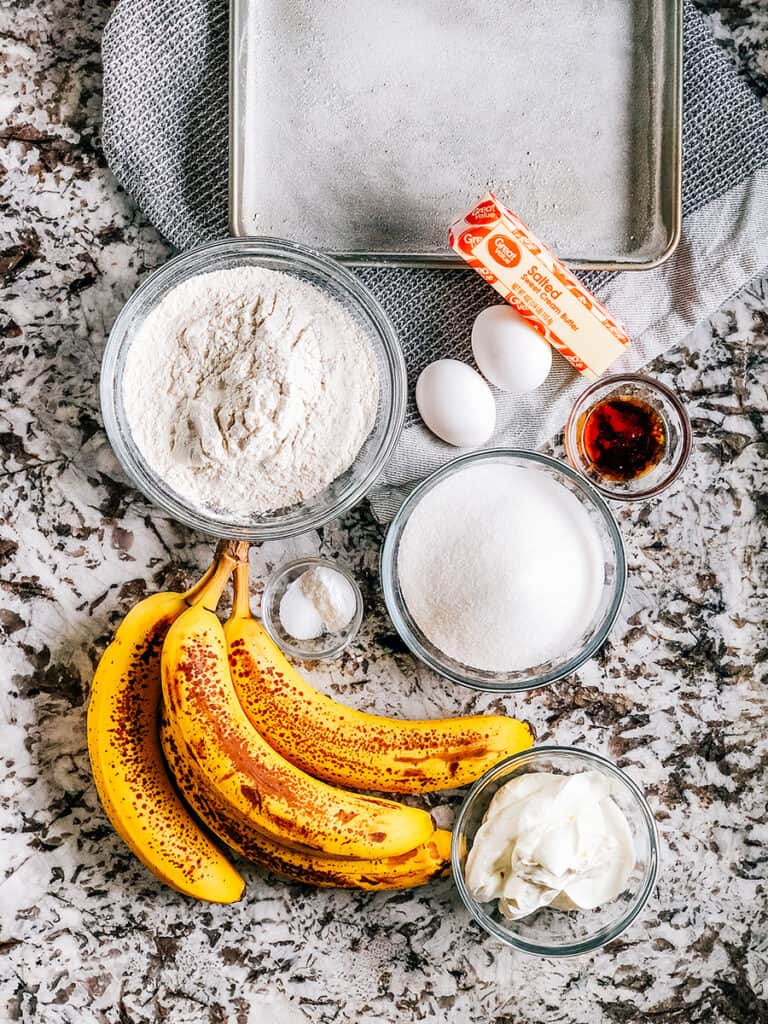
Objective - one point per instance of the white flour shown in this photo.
(501, 567)
(248, 390)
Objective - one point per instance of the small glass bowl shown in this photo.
(614, 579)
(556, 933)
(328, 645)
(335, 281)
(677, 429)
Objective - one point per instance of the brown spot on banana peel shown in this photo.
(252, 795)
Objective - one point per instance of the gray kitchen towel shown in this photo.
(165, 137)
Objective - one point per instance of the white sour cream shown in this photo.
(551, 840)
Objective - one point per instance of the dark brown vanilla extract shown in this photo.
(623, 437)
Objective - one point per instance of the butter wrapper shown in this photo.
(538, 285)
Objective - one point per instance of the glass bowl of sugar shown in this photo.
(505, 570)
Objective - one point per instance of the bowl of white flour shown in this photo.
(253, 388)
(504, 570)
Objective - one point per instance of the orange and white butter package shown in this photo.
(538, 285)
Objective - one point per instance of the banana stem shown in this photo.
(204, 580)
(241, 606)
(229, 555)
(237, 549)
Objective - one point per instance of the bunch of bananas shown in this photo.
(197, 729)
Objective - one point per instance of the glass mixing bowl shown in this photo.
(614, 579)
(556, 933)
(335, 281)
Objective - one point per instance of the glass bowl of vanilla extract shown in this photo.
(629, 435)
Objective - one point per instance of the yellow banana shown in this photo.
(416, 867)
(351, 748)
(254, 781)
(128, 768)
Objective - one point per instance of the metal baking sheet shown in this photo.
(363, 127)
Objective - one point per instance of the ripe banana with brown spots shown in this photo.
(254, 781)
(123, 743)
(351, 748)
(406, 871)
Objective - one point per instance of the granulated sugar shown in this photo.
(501, 567)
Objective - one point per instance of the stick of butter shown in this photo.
(502, 249)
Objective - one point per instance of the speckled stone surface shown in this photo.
(678, 697)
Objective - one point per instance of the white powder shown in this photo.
(249, 390)
(320, 601)
(501, 567)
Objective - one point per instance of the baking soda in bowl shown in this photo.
(501, 567)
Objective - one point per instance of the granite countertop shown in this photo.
(677, 697)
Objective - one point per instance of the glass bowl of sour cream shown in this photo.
(555, 851)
